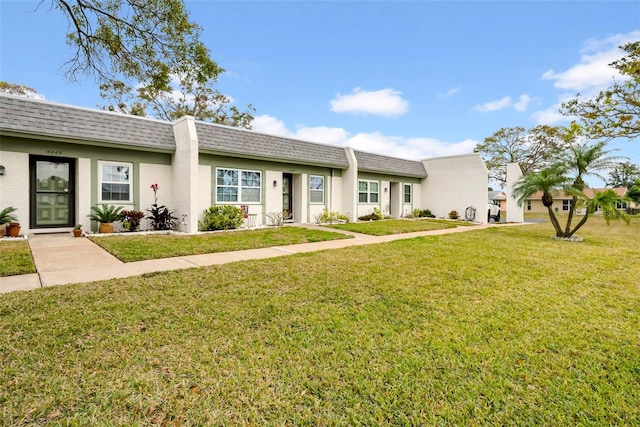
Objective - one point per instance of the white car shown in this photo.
(493, 211)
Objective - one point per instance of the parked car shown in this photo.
(493, 211)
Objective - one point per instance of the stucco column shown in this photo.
(184, 170)
(515, 213)
(350, 186)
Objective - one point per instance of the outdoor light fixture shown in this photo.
(275, 183)
(2, 169)
(385, 189)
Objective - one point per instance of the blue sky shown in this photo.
(411, 79)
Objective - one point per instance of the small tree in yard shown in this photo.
(582, 161)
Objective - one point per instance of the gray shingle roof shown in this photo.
(226, 140)
(369, 162)
(26, 116)
(43, 118)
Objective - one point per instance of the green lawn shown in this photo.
(396, 226)
(15, 258)
(501, 326)
(133, 247)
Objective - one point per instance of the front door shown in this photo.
(52, 192)
(287, 196)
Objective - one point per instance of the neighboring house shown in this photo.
(500, 197)
(61, 160)
(562, 201)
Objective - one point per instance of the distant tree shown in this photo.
(533, 149)
(20, 90)
(582, 161)
(624, 175)
(633, 192)
(615, 112)
(152, 46)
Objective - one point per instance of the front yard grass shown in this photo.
(396, 226)
(501, 326)
(133, 247)
(15, 258)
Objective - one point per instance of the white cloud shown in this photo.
(450, 93)
(323, 134)
(384, 102)
(496, 105)
(593, 72)
(549, 116)
(522, 103)
(374, 142)
(268, 124)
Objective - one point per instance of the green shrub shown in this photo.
(132, 217)
(105, 213)
(426, 213)
(376, 215)
(454, 214)
(221, 218)
(329, 217)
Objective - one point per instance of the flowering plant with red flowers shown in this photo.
(161, 217)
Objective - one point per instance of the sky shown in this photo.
(409, 79)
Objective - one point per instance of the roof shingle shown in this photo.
(34, 117)
(223, 139)
(369, 162)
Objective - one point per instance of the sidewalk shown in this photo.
(61, 259)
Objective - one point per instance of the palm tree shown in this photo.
(546, 181)
(586, 161)
(582, 161)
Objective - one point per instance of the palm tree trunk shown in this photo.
(554, 222)
(572, 209)
(580, 224)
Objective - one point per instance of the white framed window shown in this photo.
(621, 205)
(238, 186)
(566, 204)
(407, 193)
(115, 182)
(316, 189)
(368, 191)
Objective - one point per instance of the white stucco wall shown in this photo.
(417, 195)
(515, 213)
(315, 210)
(335, 194)
(83, 193)
(273, 194)
(300, 199)
(454, 183)
(155, 174)
(350, 187)
(14, 186)
(204, 190)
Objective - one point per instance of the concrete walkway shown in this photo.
(62, 259)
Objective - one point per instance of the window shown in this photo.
(316, 189)
(621, 205)
(566, 205)
(407, 193)
(115, 180)
(368, 191)
(528, 205)
(234, 185)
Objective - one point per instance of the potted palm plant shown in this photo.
(77, 230)
(105, 215)
(9, 222)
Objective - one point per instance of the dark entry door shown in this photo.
(287, 196)
(52, 191)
